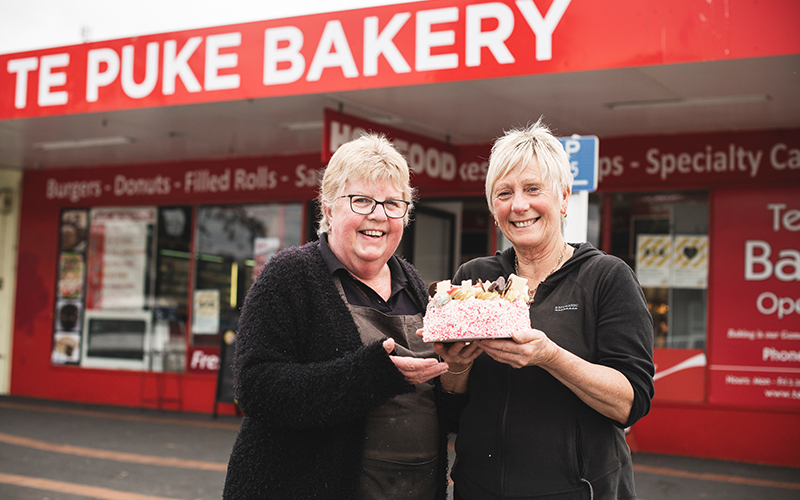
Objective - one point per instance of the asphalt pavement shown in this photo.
(67, 451)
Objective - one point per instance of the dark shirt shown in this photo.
(358, 293)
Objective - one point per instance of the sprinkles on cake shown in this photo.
(480, 311)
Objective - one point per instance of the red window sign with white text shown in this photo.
(203, 359)
(276, 178)
(754, 344)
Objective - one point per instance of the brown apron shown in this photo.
(402, 436)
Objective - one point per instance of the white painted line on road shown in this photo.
(83, 490)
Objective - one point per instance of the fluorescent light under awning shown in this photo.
(695, 101)
(84, 143)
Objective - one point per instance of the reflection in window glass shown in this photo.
(122, 292)
(172, 284)
(663, 236)
(232, 244)
(124, 279)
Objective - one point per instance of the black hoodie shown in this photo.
(525, 435)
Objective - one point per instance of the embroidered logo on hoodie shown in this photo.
(566, 307)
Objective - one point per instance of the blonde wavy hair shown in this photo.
(371, 158)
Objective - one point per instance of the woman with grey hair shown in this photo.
(542, 413)
(336, 388)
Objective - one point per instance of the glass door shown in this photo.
(429, 242)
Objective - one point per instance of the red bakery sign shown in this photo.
(388, 46)
(700, 160)
(439, 168)
(754, 342)
(275, 178)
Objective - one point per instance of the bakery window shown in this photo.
(232, 244)
(663, 236)
(121, 293)
(138, 286)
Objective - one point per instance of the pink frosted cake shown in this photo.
(474, 312)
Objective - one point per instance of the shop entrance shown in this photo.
(443, 234)
(429, 242)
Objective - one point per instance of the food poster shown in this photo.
(205, 312)
(68, 314)
(118, 257)
(653, 259)
(73, 231)
(754, 335)
(67, 332)
(690, 261)
(679, 261)
(70, 275)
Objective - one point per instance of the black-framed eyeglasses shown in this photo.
(365, 205)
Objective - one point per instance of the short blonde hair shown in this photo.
(519, 147)
(369, 158)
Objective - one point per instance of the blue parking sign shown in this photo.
(583, 154)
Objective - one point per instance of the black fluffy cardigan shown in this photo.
(306, 383)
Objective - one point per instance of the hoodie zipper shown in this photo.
(503, 427)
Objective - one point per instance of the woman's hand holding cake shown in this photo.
(529, 347)
(459, 357)
(415, 370)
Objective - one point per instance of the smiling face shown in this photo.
(528, 209)
(364, 243)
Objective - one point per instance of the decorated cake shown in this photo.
(477, 311)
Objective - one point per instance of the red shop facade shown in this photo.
(130, 276)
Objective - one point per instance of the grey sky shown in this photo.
(38, 24)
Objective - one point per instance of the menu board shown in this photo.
(118, 252)
(754, 342)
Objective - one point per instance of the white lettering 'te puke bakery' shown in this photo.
(215, 62)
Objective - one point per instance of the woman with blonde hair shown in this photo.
(337, 390)
(542, 413)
